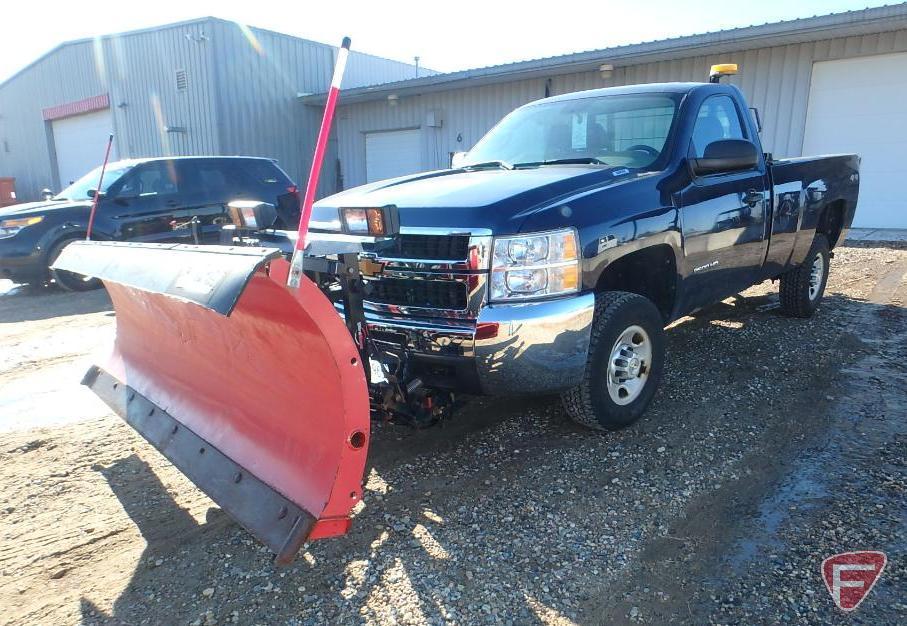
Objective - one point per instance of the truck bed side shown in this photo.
(809, 195)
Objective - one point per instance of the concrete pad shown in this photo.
(877, 234)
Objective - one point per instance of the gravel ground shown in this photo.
(772, 444)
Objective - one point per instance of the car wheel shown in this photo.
(802, 287)
(624, 367)
(68, 280)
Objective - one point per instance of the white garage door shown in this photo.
(80, 142)
(858, 105)
(393, 153)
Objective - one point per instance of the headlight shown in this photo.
(10, 227)
(372, 221)
(533, 266)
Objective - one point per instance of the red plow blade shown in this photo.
(253, 390)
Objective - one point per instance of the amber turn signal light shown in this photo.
(373, 221)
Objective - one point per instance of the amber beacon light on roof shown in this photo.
(721, 69)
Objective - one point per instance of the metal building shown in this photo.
(834, 83)
(203, 86)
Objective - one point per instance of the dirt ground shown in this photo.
(772, 444)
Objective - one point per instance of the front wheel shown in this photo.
(624, 367)
(69, 281)
(802, 287)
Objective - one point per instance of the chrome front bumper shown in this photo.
(526, 348)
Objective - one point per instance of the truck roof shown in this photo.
(138, 160)
(628, 89)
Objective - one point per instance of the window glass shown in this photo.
(627, 130)
(717, 119)
(264, 174)
(153, 178)
(207, 180)
(79, 189)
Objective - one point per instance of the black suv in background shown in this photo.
(176, 199)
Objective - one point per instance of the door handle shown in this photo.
(172, 203)
(752, 196)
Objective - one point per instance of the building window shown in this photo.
(182, 80)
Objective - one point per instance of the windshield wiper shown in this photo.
(504, 165)
(570, 161)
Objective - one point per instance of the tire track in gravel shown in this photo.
(509, 514)
(809, 489)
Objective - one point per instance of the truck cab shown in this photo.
(654, 199)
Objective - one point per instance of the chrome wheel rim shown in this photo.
(629, 365)
(815, 276)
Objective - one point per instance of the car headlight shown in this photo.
(372, 221)
(10, 227)
(534, 266)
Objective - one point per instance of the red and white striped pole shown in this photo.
(317, 160)
(97, 192)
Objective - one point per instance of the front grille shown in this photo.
(432, 294)
(442, 247)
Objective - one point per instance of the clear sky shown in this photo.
(448, 36)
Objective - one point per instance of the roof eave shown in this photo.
(865, 21)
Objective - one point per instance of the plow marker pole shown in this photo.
(97, 192)
(317, 160)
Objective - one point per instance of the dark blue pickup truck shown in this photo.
(551, 259)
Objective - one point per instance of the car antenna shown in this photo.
(97, 192)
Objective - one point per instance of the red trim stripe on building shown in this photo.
(94, 103)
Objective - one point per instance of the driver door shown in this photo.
(723, 214)
(146, 206)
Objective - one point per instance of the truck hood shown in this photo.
(499, 200)
(41, 208)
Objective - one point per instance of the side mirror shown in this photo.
(252, 214)
(726, 155)
(457, 159)
(93, 192)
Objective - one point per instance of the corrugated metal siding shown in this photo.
(240, 98)
(366, 69)
(143, 68)
(465, 116)
(22, 127)
(138, 70)
(260, 74)
(774, 79)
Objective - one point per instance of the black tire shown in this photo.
(69, 281)
(590, 403)
(800, 297)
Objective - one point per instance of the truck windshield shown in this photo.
(620, 130)
(79, 189)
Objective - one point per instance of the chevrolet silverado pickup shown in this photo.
(551, 259)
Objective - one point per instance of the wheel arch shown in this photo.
(831, 221)
(650, 272)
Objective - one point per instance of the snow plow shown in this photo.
(254, 390)
(241, 370)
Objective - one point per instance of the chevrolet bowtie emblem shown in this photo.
(368, 267)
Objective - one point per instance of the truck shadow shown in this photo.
(25, 303)
(509, 482)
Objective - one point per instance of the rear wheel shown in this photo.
(802, 287)
(624, 367)
(68, 280)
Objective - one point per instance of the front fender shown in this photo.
(660, 227)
